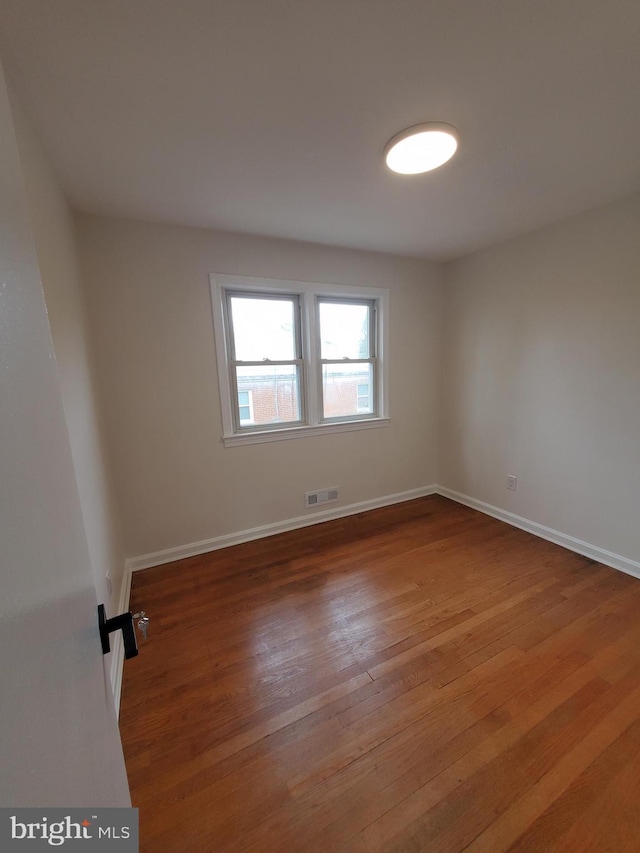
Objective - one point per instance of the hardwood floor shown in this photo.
(416, 678)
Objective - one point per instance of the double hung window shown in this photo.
(264, 358)
(347, 355)
(296, 359)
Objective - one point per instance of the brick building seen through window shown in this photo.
(274, 398)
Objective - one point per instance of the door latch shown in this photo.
(142, 623)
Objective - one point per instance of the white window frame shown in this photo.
(311, 371)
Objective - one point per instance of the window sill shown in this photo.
(263, 436)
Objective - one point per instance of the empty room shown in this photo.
(320, 417)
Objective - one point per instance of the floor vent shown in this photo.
(324, 496)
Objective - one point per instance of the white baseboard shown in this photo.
(133, 564)
(600, 555)
(117, 645)
(169, 555)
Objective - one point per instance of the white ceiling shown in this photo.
(270, 116)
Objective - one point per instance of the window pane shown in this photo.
(263, 328)
(243, 398)
(344, 330)
(275, 392)
(340, 390)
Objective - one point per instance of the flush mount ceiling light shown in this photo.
(421, 148)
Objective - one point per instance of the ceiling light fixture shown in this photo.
(421, 148)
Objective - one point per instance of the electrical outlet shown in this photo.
(109, 585)
(512, 482)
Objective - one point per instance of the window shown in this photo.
(297, 359)
(264, 356)
(363, 403)
(347, 354)
(245, 407)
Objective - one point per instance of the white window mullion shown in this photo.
(311, 340)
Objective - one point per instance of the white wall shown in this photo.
(150, 310)
(54, 231)
(541, 377)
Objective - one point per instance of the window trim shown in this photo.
(311, 398)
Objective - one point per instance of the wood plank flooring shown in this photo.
(415, 678)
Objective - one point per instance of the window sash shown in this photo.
(347, 300)
(277, 402)
(271, 297)
(357, 415)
